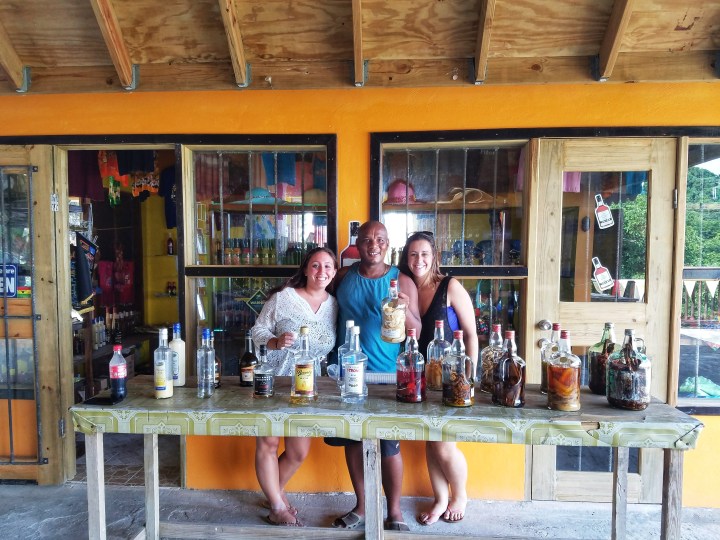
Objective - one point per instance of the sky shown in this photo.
(712, 166)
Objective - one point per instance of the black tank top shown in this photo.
(437, 311)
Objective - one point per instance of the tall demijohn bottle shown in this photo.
(177, 345)
(354, 361)
(563, 374)
(546, 352)
(393, 316)
(488, 356)
(509, 375)
(410, 371)
(599, 354)
(264, 376)
(628, 375)
(342, 349)
(205, 367)
(303, 387)
(162, 364)
(248, 361)
(458, 375)
(350, 254)
(118, 375)
(437, 349)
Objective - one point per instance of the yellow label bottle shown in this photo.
(303, 388)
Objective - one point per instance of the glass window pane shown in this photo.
(699, 375)
(604, 236)
(592, 459)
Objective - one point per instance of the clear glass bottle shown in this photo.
(563, 374)
(218, 362)
(118, 375)
(303, 387)
(177, 345)
(248, 361)
(162, 364)
(354, 361)
(410, 371)
(264, 376)
(488, 356)
(628, 375)
(550, 348)
(458, 375)
(599, 354)
(393, 316)
(437, 350)
(509, 375)
(342, 349)
(205, 367)
(350, 254)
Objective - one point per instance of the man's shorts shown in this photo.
(387, 448)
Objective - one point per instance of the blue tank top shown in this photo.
(359, 300)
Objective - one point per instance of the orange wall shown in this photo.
(352, 114)
(701, 469)
(24, 422)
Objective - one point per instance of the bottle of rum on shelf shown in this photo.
(264, 376)
(488, 356)
(599, 354)
(302, 383)
(163, 359)
(354, 362)
(550, 348)
(563, 373)
(248, 361)
(205, 367)
(350, 254)
(410, 371)
(177, 345)
(629, 375)
(393, 316)
(509, 375)
(458, 375)
(437, 349)
(170, 245)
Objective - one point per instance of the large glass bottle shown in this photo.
(599, 354)
(218, 360)
(303, 388)
(354, 361)
(509, 375)
(205, 367)
(393, 316)
(563, 374)
(342, 349)
(488, 356)
(118, 375)
(264, 376)
(410, 371)
(437, 349)
(350, 254)
(248, 361)
(628, 375)
(177, 345)
(162, 367)
(458, 375)
(548, 350)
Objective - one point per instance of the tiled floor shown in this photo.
(124, 461)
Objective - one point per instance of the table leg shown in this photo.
(621, 458)
(152, 488)
(672, 495)
(373, 489)
(95, 464)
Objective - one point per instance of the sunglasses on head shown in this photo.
(421, 233)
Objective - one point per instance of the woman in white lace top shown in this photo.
(302, 301)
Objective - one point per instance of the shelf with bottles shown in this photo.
(481, 202)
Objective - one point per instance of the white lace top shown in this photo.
(287, 311)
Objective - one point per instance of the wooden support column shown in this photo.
(358, 61)
(373, 489)
(482, 49)
(621, 458)
(152, 487)
(11, 64)
(95, 463)
(235, 42)
(112, 34)
(672, 495)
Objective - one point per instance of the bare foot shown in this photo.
(432, 515)
(282, 516)
(455, 510)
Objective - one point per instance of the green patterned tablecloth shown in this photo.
(233, 411)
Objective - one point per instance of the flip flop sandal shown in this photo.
(351, 520)
(283, 523)
(290, 508)
(396, 526)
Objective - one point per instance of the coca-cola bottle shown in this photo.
(437, 349)
(509, 375)
(118, 375)
(458, 375)
(563, 374)
(410, 371)
(488, 356)
(599, 354)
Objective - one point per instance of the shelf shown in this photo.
(164, 295)
(499, 202)
(281, 208)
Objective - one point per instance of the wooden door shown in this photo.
(636, 179)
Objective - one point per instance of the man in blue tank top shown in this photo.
(360, 289)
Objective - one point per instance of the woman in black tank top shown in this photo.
(441, 298)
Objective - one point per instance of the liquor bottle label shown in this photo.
(354, 378)
(118, 372)
(247, 373)
(304, 380)
(263, 384)
(602, 275)
(160, 376)
(603, 214)
(175, 365)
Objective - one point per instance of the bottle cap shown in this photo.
(609, 325)
(117, 348)
(556, 326)
(176, 327)
(393, 282)
(497, 328)
(206, 333)
(263, 350)
(411, 332)
(349, 323)
(439, 324)
(356, 331)
(304, 330)
(564, 334)
(509, 334)
(458, 334)
(163, 333)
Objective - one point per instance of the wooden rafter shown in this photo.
(110, 28)
(10, 61)
(482, 50)
(610, 48)
(235, 43)
(359, 61)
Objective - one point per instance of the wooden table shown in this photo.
(232, 411)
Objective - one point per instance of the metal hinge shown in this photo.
(61, 428)
(675, 199)
(54, 202)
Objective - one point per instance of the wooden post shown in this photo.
(373, 490)
(671, 495)
(152, 487)
(619, 505)
(95, 463)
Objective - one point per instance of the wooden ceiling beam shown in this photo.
(112, 34)
(11, 64)
(482, 50)
(612, 41)
(358, 61)
(235, 43)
